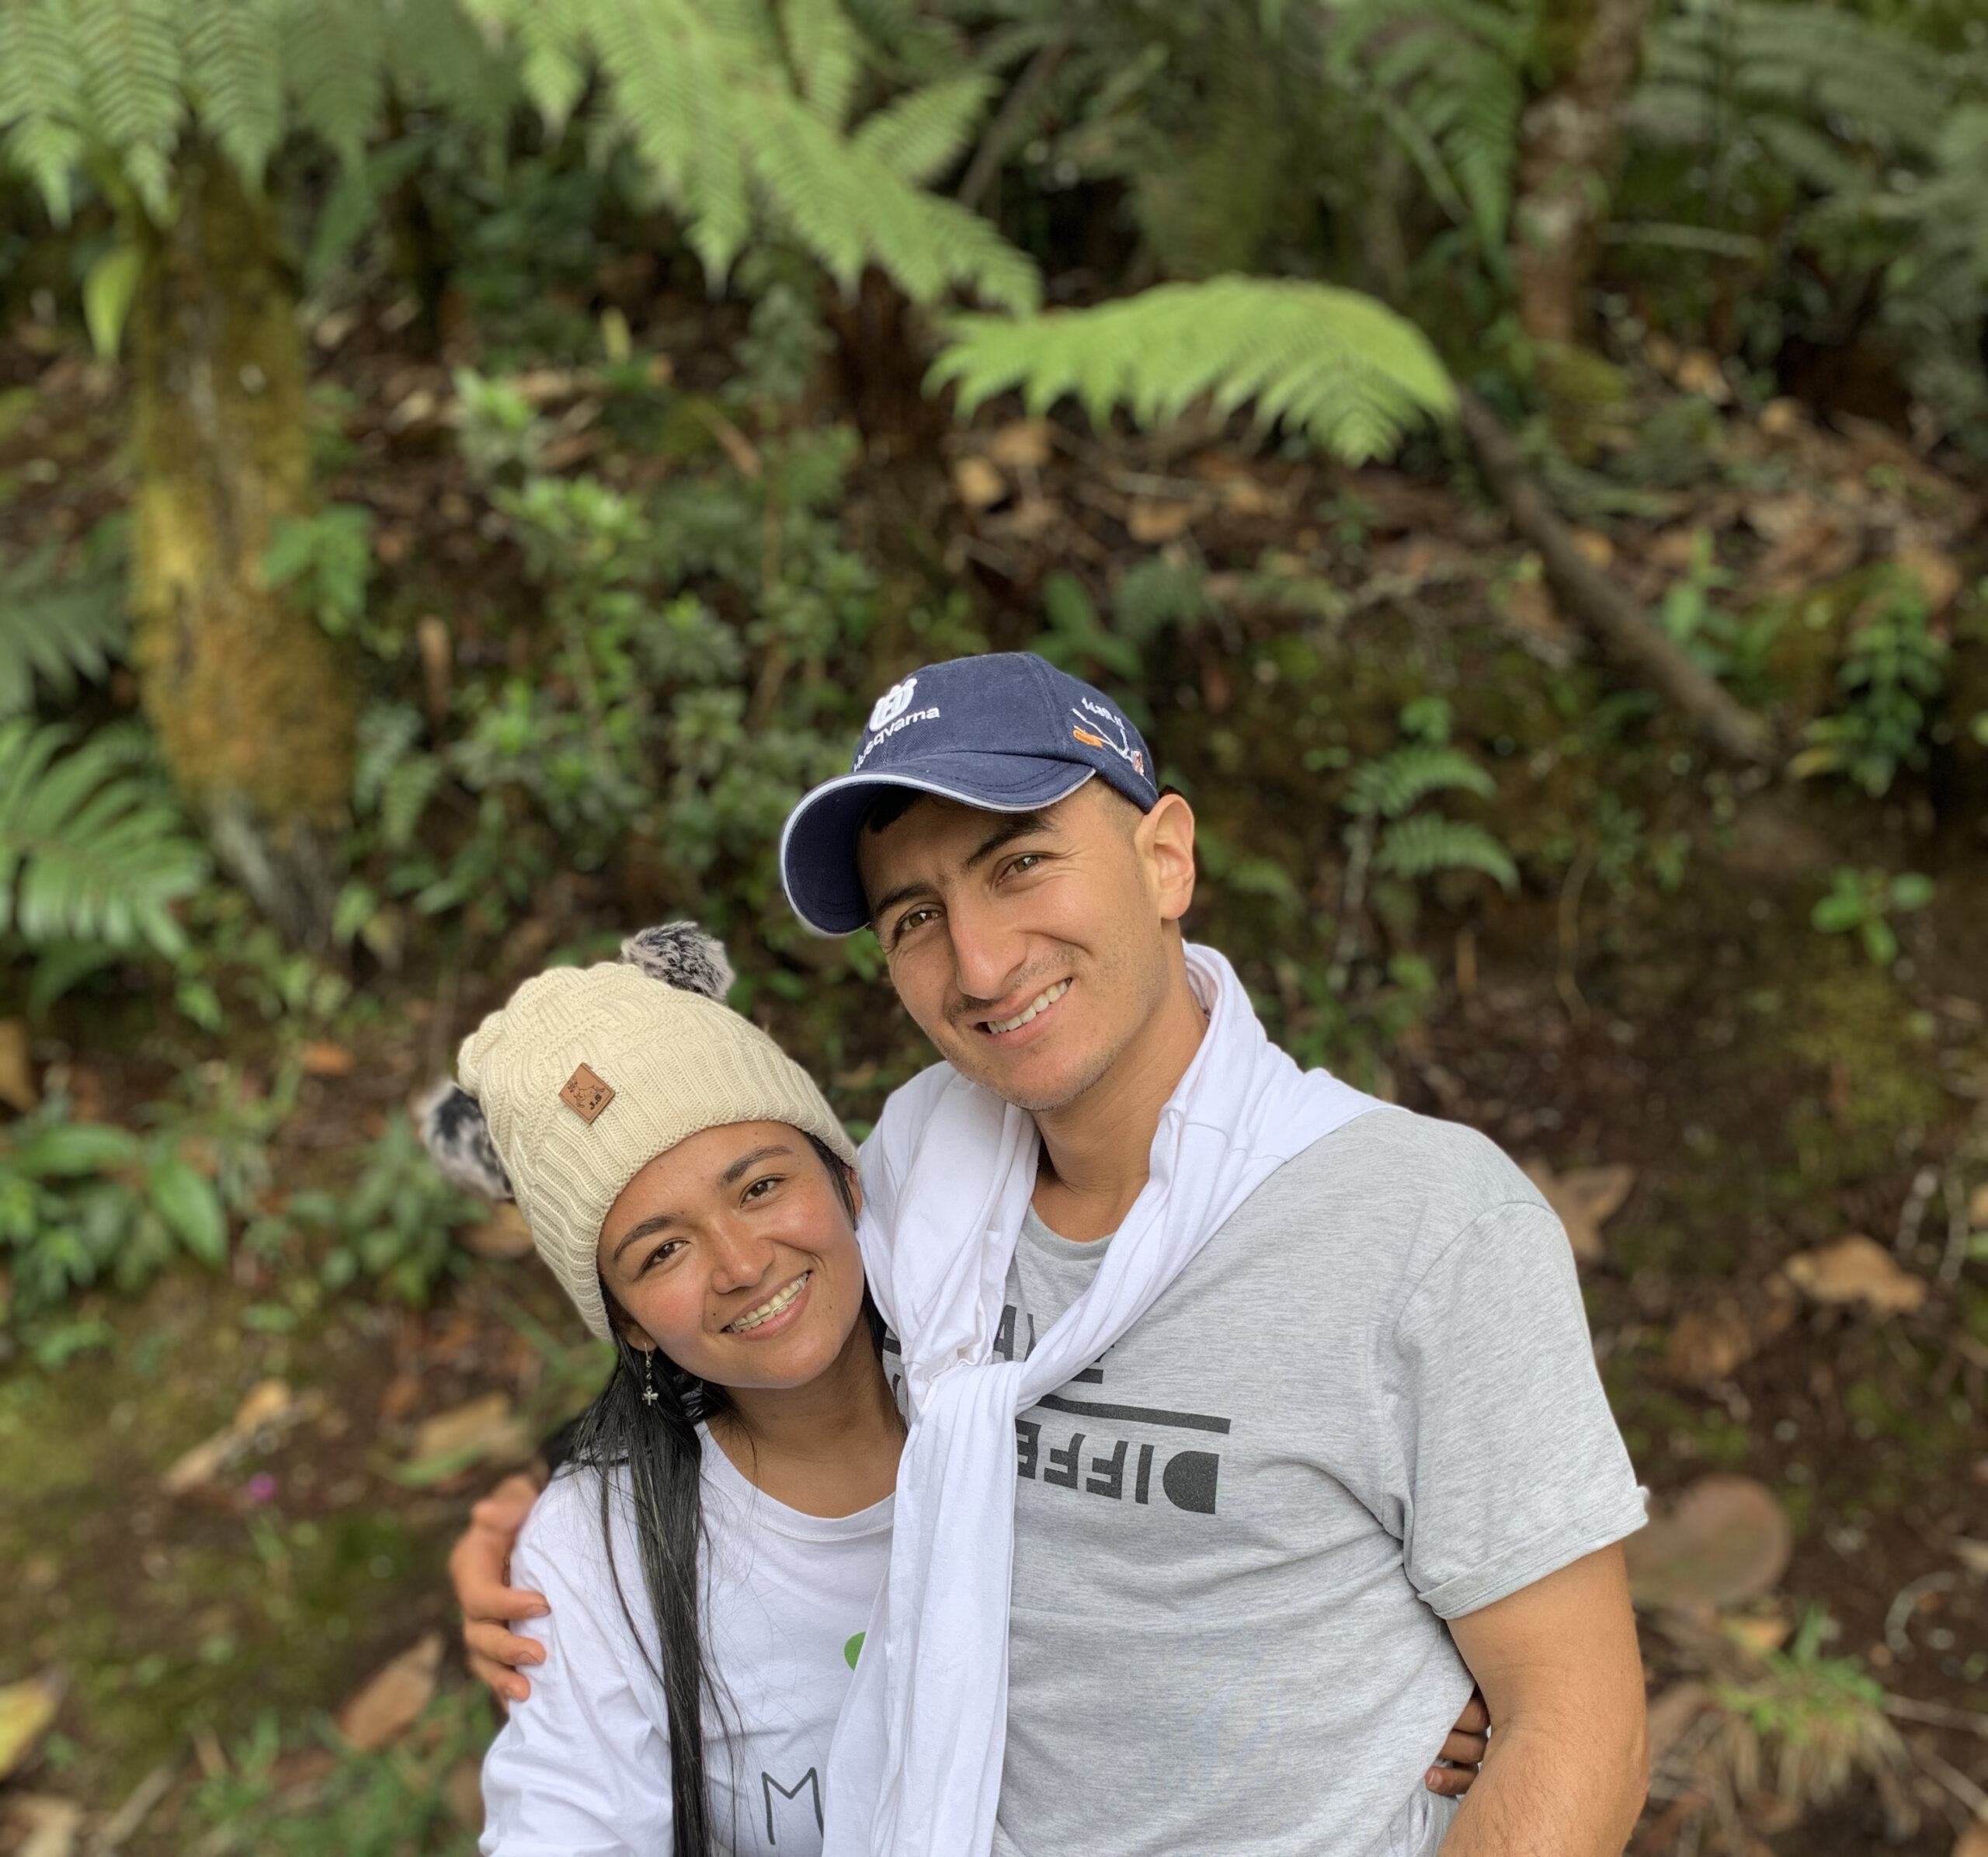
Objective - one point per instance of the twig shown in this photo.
(1565, 983)
(1905, 1602)
(1955, 1782)
(994, 145)
(1937, 1715)
(1601, 605)
(1912, 1214)
(125, 1823)
(1953, 1189)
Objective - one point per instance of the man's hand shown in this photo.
(1569, 1763)
(480, 1568)
(1463, 1750)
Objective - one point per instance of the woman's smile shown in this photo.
(776, 1314)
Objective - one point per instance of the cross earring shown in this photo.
(649, 1376)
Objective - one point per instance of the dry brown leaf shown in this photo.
(1977, 1205)
(485, 1430)
(322, 1058)
(17, 1088)
(1150, 521)
(1938, 575)
(54, 1828)
(1759, 1633)
(1584, 1200)
(978, 484)
(1595, 548)
(1784, 419)
(1972, 1555)
(504, 1234)
(268, 1404)
(1725, 1541)
(26, 1710)
(462, 1793)
(1020, 445)
(390, 1703)
(1698, 372)
(1818, 551)
(1708, 1345)
(1775, 518)
(1856, 1270)
(1673, 1712)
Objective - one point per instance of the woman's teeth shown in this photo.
(1035, 1006)
(770, 1308)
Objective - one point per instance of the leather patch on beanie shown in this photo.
(585, 1095)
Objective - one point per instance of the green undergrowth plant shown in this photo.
(62, 619)
(390, 1231)
(1863, 903)
(86, 1203)
(94, 851)
(412, 1800)
(1893, 670)
(1808, 1724)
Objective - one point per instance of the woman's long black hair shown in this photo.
(658, 1446)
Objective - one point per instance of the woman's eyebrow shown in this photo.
(653, 1223)
(745, 1163)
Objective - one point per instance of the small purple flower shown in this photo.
(261, 1486)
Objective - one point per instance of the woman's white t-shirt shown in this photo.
(582, 1767)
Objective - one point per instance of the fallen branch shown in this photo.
(1599, 604)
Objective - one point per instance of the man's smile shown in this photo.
(1040, 1003)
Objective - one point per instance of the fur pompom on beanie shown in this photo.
(586, 1074)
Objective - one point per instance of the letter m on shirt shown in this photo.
(770, 1786)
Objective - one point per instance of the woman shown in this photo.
(711, 1549)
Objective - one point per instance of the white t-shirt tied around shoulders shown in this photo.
(915, 1767)
(581, 1768)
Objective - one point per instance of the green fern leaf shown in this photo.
(826, 58)
(234, 58)
(40, 99)
(334, 69)
(1426, 846)
(132, 89)
(1388, 787)
(56, 630)
(920, 135)
(385, 733)
(89, 851)
(1331, 363)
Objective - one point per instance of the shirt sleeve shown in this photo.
(1514, 1468)
(581, 1767)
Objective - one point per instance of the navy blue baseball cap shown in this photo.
(1007, 731)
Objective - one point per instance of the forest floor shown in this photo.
(1708, 1086)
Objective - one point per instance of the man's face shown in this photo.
(1032, 948)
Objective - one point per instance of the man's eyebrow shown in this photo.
(1012, 827)
(1018, 825)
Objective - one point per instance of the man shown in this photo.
(1354, 1454)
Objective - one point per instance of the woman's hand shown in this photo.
(1463, 1748)
(480, 1569)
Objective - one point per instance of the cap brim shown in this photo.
(818, 844)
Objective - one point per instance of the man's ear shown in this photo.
(1165, 840)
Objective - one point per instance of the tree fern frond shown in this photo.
(133, 87)
(435, 53)
(921, 134)
(1427, 845)
(89, 850)
(40, 100)
(1329, 362)
(234, 63)
(826, 58)
(335, 55)
(1390, 786)
(1449, 77)
(60, 631)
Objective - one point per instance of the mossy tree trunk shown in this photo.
(252, 712)
(1570, 144)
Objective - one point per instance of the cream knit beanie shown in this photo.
(587, 1074)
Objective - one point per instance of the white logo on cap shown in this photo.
(892, 704)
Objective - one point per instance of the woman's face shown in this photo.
(733, 1253)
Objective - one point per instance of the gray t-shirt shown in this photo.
(1369, 1405)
